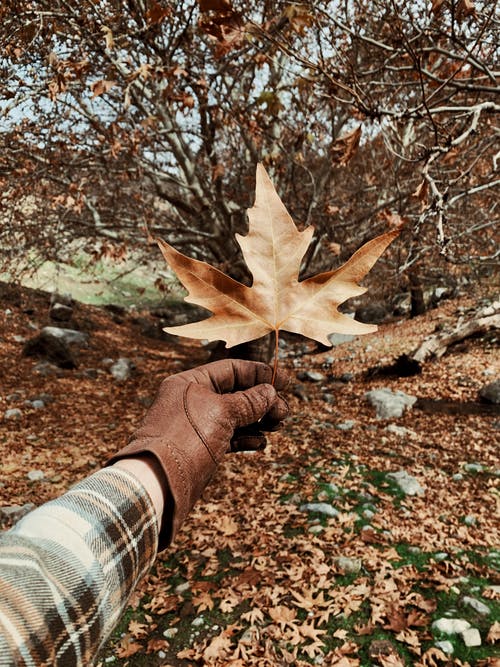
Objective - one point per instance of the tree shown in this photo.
(126, 114)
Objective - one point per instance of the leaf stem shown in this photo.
(276, 349)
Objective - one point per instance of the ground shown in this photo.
(254, 578)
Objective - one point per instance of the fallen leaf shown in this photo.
(127, 646)
(273, 251)
(493, 633)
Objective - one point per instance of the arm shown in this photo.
(68, 568)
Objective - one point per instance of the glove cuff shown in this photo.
(185, 479)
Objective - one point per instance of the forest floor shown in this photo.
(254, 578)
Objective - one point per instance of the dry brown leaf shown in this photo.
(345, 147)
(100, 87)
(127, 646)
(493, 635)
(273, 251)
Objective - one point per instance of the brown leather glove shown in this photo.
(197, 417)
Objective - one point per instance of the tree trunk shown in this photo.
(261, 349)
(416, 295)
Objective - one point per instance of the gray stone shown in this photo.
(329, 398)
(170, 633)
(388, 403)
(340, 339)
(473, 467)
(446, 646)
(348, 425)
(69, 336)
(471, 637)
(46, 368)
(477, 605)
(311, 376)
(16, 512)
(401, 431)
(440, 556)
(490, 393)
(13, 413)
(199, 620)
(38, 404)
(315, 530)
(122, 369)
(321, 508)
(368, 514)
(408, 484)
(182, 588)
(35, 475)
(346, 377)
(60, 312)
(451, 626)
(470, 520)
(349, 565)
(457, 477)
(11, 398)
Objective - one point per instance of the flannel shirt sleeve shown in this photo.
(68, 568)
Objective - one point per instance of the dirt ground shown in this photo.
(254, 578)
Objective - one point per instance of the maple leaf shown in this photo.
(273, 250)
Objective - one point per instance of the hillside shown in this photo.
(309, 552)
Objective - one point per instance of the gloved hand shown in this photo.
(197, 417)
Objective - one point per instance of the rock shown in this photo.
(349, 565)
(490, 393)
(473, 467)
(339, 339)
(388, 403)
(35, 475)
(401, 431)
(471, 637)
(61, 312)
(311, 376)
(348, 425)
(315, 529)
(300, 391)
(69, 336)
(52, 349)
(372, 313)
(408, 484)
(329, 398)
(122, 369)
(13, 413)
(321, 508)
(45, 368)
(170, 633)
(470, 520)
(368, 514)
(182, 588)
(53, 344)
(15, 512)
(477, 605)
(38, 404)
(10, 398)
(457, 477)
(451, 626)
(346, 377)
(446, 646)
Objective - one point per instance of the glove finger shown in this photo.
(238, 374)
(277, 413)
(247, 407)
(248, 439)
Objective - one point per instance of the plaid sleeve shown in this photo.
(68, 568)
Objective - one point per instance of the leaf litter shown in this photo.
(252, 579)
